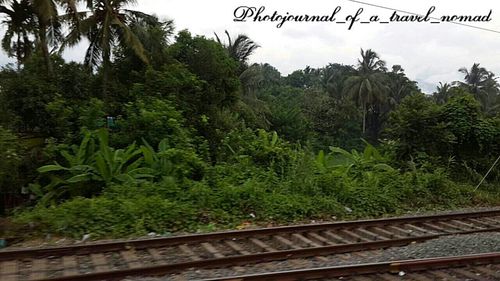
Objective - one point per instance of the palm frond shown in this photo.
(129, 39)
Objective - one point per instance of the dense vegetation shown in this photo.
(156, 132)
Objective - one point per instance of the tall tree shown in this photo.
(334, 77)
(154, 36)
(106, 26)
(442, 94)
(240, 49)
(399, 86)
(366, 86)
(475, 78)
(48, 27)
(482, 84)
(20, 26)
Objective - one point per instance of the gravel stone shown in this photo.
(444, 246)
(448, 246)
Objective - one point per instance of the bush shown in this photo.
(11, 159)
(265, 149)
(152, 120)
(341, 184)
(117, 217)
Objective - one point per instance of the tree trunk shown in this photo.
(364, 118)
(45, 48)
(105, 75)
(18, 53)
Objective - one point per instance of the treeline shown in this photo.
(156, 132)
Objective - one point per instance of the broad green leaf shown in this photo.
(274, 140)
(51, 168)
(79, 178)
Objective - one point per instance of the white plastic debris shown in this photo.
(85, 237)
(402, 273)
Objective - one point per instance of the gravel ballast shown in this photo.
(444, 246)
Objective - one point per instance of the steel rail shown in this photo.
(189, 239)
(371, 268)
(165, 269)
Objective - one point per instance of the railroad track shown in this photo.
(471, 267)
(163, 256)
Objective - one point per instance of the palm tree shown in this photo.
(20, 26)
(366, 86)
(48, 27)
(252, 80)
(107, 25)
(481, 83)
(333, 80)
(399, 86)
(40, 20)
(240, 50)
(154, 36)
(475, 78)
(442, 94)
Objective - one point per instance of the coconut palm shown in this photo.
(366, 86)
(475, 78)
(106, 26)
(442, 94)
(154, 35)
(240, 49)
(33, 19)
(20, 26)
(49, 27)
(333, 80)
(482, 84)
(399, 86)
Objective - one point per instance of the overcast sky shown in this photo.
(429, 53)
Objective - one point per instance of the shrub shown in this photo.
(90, 166)
(11, 159)
(117, 217)
(152, 120)
(265, 149)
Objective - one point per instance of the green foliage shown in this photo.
(209, 61)
(67, 117)
(264, 149)
(117, 217)
(457, 131)
(173, 162)
(334, 122)
(26, 96)
(416, 126)
(152, 120)
(352, 163)
(11, 155)
(93, 165)
(340, 184)
(90, 166)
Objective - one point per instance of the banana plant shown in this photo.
(120, 165)
(171, 162)
(354, 162)
(158, 160)
(79, 164)
(92, 164)
(269, 140)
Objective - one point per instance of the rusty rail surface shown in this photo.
(169, 255)
(407, 266)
